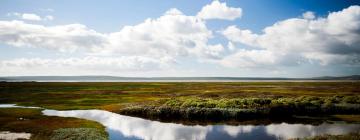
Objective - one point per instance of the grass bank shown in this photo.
(217, 109)
(48, 127)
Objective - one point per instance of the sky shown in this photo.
(160, 38)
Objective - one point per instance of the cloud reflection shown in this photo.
(132, 127)
(286, 131)
(136, 127)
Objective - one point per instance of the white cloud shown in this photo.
(154, 40)
(218, 10)
(212, 52)
(331, 40)
(173, 11)
(231, 46)
(31, 16)
(171, 34)
(63, 38)
(49, 17)
(84, 65)
(249, 59)
(237, 35)
(47, 10)
(308, 15)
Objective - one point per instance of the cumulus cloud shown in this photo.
(150, 45)
(334, 39)
(63, 38)
(86, 64)
(238, 35)
(218, 10)
(49, 17)
(308, 15)
(30, 16)
(27, 16)
(172, 34)
(173, 11)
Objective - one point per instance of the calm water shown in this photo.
(122, 127)
(125, 127)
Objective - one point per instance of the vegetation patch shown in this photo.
(41, 127)
(348, 118)
(78, 134)
(194, 108)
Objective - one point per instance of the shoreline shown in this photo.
(229, 116)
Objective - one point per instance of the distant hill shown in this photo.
(351, 77)
(3, 79)
(115, 78)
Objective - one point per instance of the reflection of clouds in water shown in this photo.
(146, 129)
(236, 130)
(286, 131)
(131, 126)
(15, 106)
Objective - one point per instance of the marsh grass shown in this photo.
(41, 127)
(64, 96)
(195, 108)
(212, 99)
(78, 134)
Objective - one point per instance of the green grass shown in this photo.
(195, 108)
(78, 134)
(256, 102)
(41, 127)
(110, 96)
(291, 97)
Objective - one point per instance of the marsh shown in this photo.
(183, 110)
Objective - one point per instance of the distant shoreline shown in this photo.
(205, 81)
(352, 78)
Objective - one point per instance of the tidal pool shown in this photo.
(122, 127)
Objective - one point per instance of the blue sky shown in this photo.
(112, 37)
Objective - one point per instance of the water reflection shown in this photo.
(15, 106)
(125, 127)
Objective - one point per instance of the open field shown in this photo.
(111, 96)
